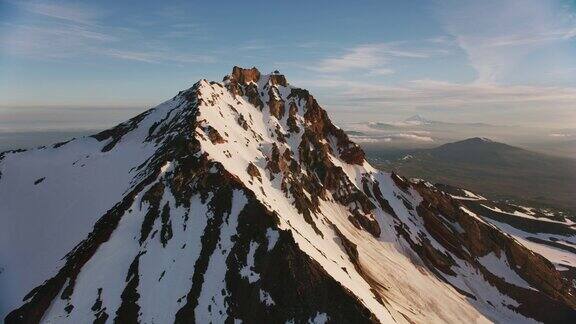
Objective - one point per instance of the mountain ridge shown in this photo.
(278, 212)
(417, 120)
(509, 172)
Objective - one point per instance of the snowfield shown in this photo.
(201, 199)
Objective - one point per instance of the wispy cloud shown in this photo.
(131, 55)
(375, 58)
(70, 12)
(157, 56)
(361, 57)
(450, 95)
(476, 101)
(51, 42)
(74, 31)
(381, 71)
(497, 35)
(413, 137)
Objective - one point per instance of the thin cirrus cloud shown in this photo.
(69, 12)
(446, 94)
(476, 101)
(70, 41)
(498, 35)
(498, 39)
(480, 57)
(70, 31)
(51, 42)
(157, 56)
(373, 58)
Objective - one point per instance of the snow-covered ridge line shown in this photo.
(240, 200)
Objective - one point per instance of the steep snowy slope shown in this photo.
(241, 201)
(548, 233)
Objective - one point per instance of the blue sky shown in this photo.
(505, 61)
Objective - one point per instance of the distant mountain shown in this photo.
(417, 120)
(355, 133)
(497, 170)
(382, 126)
(241, 202)
(482, 151)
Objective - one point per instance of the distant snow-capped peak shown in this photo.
(417, 120)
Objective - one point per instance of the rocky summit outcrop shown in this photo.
(240, 201)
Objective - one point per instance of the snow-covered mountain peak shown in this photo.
(417, 120)
(241, 201)
(264, 109)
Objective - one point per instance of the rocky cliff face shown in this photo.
(241, 201)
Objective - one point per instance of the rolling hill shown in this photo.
(496, 170)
